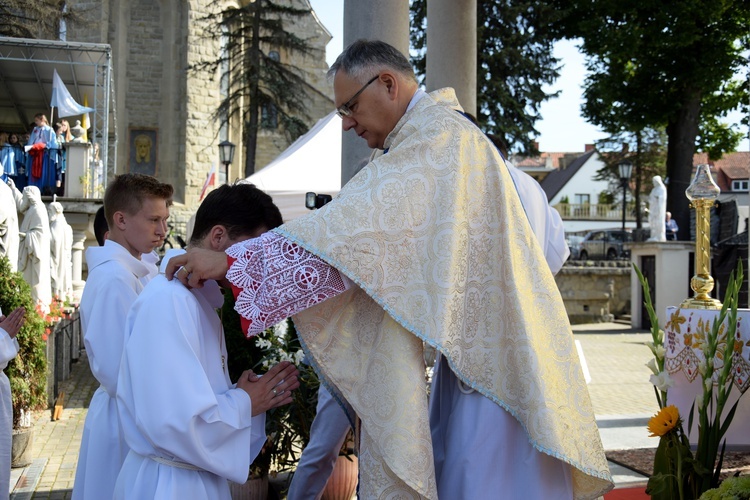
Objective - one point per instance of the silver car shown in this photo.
(605, 244)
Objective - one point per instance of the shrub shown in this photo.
(27, 372)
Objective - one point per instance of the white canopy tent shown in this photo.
(311, 163)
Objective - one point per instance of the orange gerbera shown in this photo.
(664, 421)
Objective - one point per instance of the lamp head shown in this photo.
(625, 168)
(226, 152)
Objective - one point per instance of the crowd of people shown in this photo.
(435, 242)
(36, 158)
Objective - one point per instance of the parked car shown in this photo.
(605, 244)
(574, 244)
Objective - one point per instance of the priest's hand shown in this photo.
(272, 389)
(13, 322)
(196, 266)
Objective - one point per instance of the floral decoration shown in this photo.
(680, 473)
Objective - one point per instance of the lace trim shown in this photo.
(277, 279)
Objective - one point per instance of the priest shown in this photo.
(427, 243)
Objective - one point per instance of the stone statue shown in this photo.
(34, 249)
(657, 205)
(9, 239)
(77, 132)
(61, 252)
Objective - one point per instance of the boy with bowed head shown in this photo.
(188, 428)
(136, 207)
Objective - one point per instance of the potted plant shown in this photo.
(343, 481)
(27, 372)
(287, 427)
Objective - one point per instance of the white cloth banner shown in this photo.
(63, 101)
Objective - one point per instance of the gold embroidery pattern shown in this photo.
(459, 267)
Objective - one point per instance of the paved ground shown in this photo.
(615, 356)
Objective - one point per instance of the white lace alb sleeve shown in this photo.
(273, 278)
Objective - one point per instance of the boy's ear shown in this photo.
(217, 237)
(119, 219)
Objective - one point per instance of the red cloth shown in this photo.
(37, 159)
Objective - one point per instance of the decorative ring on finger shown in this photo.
(274, 391)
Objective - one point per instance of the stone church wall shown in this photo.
(154, 43)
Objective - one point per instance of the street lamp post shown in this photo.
(226, 155)
(626, 169)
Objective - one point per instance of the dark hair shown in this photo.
(100, 226)
(127, 192)
(241, 208)
(364, 58)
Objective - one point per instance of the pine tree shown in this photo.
(260, 83)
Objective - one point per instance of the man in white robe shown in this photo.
(34, 249)
(9, 327)
(137, 208)
(9, 238)
(428, 243)
(188, 428)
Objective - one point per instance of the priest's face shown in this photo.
(367, 108)
(146, 229)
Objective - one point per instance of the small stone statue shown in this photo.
(657, 205)
(77, 132)
(34, 249)
(61, 252)
(9, 239)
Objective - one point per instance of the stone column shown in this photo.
(78, 182)
(452, 49)
(79, 238)
(386, 20)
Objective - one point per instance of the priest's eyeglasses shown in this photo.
(344, 109)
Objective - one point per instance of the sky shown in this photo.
(561, 128)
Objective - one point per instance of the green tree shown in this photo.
(261, 88)
(514, 63)
(668, 65)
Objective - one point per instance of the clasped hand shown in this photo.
(272, 389)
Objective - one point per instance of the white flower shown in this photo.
(650, 345)
(653, 366)
(699, 401)
(280, 329)
(662, 381)
(262, 343)
(299, 357)
(660, 336)
(702, 368)
(659, 351)
(708, 384)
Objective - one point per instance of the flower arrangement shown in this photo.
(287, 427)
(678, 472)
(27, 372)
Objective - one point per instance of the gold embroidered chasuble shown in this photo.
(434, 235)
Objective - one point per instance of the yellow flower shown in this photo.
(664, 421)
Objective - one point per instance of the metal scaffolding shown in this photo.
(26, 69)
